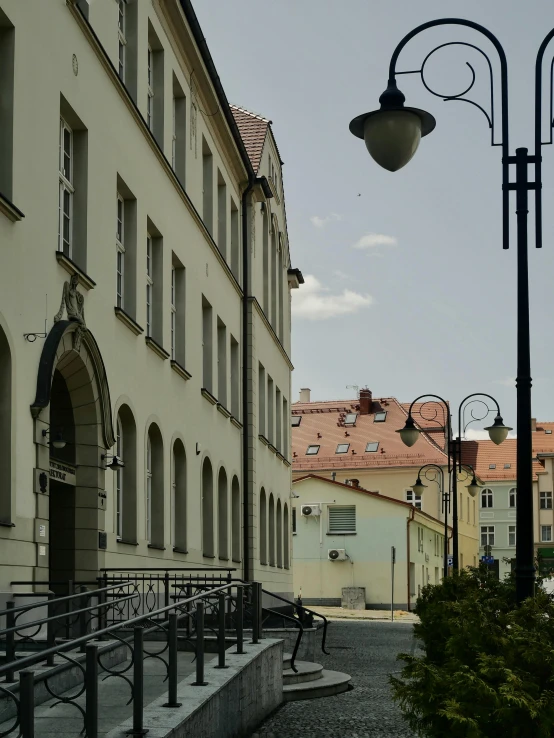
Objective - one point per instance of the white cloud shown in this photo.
(344, 275)
(322, 222)
(506, 382)
(477, 434)
(313, 301)
(371, 240)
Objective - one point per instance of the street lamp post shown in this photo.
(498, 433)
(392, 135)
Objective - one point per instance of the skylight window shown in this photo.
(372, 446)
(507, 466)
(350, 418)
(312, 450)
(342, 448)
(548, 432)
(492, 466)
(380, 417)
(296, 420)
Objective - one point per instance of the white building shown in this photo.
(145, 280)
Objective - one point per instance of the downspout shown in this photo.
(410, 519)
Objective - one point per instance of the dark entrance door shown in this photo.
(62, 535)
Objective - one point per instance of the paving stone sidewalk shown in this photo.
(367, 651)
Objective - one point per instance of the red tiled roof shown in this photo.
(326, 418)
(253, 130)
(482, 454)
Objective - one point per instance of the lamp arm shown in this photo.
(503, 97)
(538, 131)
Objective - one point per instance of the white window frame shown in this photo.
(149, 284)
(150, 99)
(119, 482)
(65, 187)
(414, 499)
(489, 531)
(511, 535)
(513, 497)
(546, 497)
(173, 311)
(488, 495)
(543, 529)
(122, 39)
(174, 135)
(148, 489)
(120, 255)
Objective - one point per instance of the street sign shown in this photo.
(450, 561)
(487, 559)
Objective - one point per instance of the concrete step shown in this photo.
(306, 672)
(287, 659)
(329, 684)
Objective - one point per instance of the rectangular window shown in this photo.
(154, 284)
(546, 533)
(342, 448)
(296, 420)
(73, 186)
(222, 362)
(342, 518)
(312, 450)
(173, 313)
(65, 228)
(126, 249)
(178, 310)
(492, 466)
(235, 245)
(486, 498)
(120, 252)
(413, 499)
(372, 447)
(121, 27)
(278, 424)
(546, 500)
(262, 400)
(148, 490)
(513, 497)
(294, 520)
(285, 449)
(468, 509)
(487, 535)
(235, 378)
(221, 215)
(511, 535)
(461, 507)
(179, 136)
(350, 418)
(207, 347)
(150, 100)
(7, 77)
(380, 417)
(207, 187)
(279, 286)
(149, 283)
(270, 410)
(155, 90)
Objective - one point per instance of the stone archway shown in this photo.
(72, 399)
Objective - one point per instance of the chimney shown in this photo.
(533, 424)
(365, 401)
(305, 394)
(355, 483)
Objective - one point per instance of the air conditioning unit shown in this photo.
(337, 554)
(311, 510)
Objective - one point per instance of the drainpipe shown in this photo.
(410, 519)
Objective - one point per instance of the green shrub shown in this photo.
(487, 669)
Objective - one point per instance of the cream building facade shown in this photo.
(145, 277)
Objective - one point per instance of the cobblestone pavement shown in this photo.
(367, 651)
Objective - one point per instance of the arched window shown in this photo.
(286, 538)
(179, 489)
(207, 509)
(513, 497)
(5, 430)
(486, 498)
(271, 530)
(279, 535)
(125, 479)
(155, 487)
(263, 527)
(118, 480)
(265, 261)
(235, 520)
(222, 515)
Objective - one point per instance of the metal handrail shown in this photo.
(298, 638)
(167, 568)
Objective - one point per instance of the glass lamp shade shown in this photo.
(498, 432)
(59, 442)
(419, 488)
(473, 488)
(392, 137)
(116, 463)
(409, 433)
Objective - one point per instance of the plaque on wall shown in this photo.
(102, 540)
(64, 473)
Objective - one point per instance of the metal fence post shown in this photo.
(166, 589)
(68, 608)
(82, 618)
(27, 703)
(255, 613)
(221, 631)
(172, 662)
(199, 646)
(138, 683)
(50, 628)
(240, 618)
(91, 691)
(10, 640)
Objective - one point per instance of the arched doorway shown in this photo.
(73, 431)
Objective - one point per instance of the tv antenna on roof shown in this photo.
(354, 387)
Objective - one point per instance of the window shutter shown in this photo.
(342, 519)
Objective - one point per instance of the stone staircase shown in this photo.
(311, 680)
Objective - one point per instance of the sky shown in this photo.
(407, 288)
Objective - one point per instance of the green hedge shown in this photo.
(487, 669)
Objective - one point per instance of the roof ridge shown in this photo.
(258, 116)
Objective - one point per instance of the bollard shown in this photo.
(240, 618)
(91, 691)
(172, 662)
(255, 612)
(221, 631)
(27, 703)
(50, 628)
(10, 640)
(138, 683)
(199, 646)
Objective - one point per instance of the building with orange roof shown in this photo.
(343, 542)
(357, 440)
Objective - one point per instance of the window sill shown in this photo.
(178, 550)
(236, 561)
(126, 319)
(156, 348)
(343, 534)
(208, 395)
(223, 410)
(224, 558)
(156, 547)
(208, 556)
(181, 371)
(263, 439)
(286, 462)
(272, 448)
(127, 543)
(72, 268)
(8, 209)
(236, 422)
(280, 456)
(6, 525)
